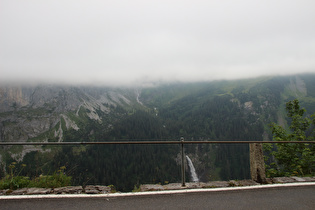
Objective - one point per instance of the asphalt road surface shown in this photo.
(276, 197)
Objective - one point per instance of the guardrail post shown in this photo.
(257, 163)
(183, 162)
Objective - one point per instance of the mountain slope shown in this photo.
(218, 110)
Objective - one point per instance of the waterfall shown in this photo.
(193, 173)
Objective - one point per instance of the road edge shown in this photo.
(166, 192)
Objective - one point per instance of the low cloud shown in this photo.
(130, 42)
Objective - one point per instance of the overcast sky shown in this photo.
(123, 42)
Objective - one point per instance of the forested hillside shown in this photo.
(218, 110)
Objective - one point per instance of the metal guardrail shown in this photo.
(150, 142)
(181, 142)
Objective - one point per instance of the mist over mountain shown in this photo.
(217, 110)
(128, 42)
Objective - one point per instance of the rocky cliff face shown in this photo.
(14, 97)
(27, 112)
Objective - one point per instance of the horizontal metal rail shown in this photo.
(150, 142)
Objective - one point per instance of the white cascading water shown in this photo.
(193, 173)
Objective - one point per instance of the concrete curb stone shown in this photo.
(68, 190)
(99, 189)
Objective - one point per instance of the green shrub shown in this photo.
(13, 181)
(51, 181)
(112, 188)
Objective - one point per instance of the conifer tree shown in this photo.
(293, 158)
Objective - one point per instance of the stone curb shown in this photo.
(98, 189)
(221, 184)
(89, 189)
